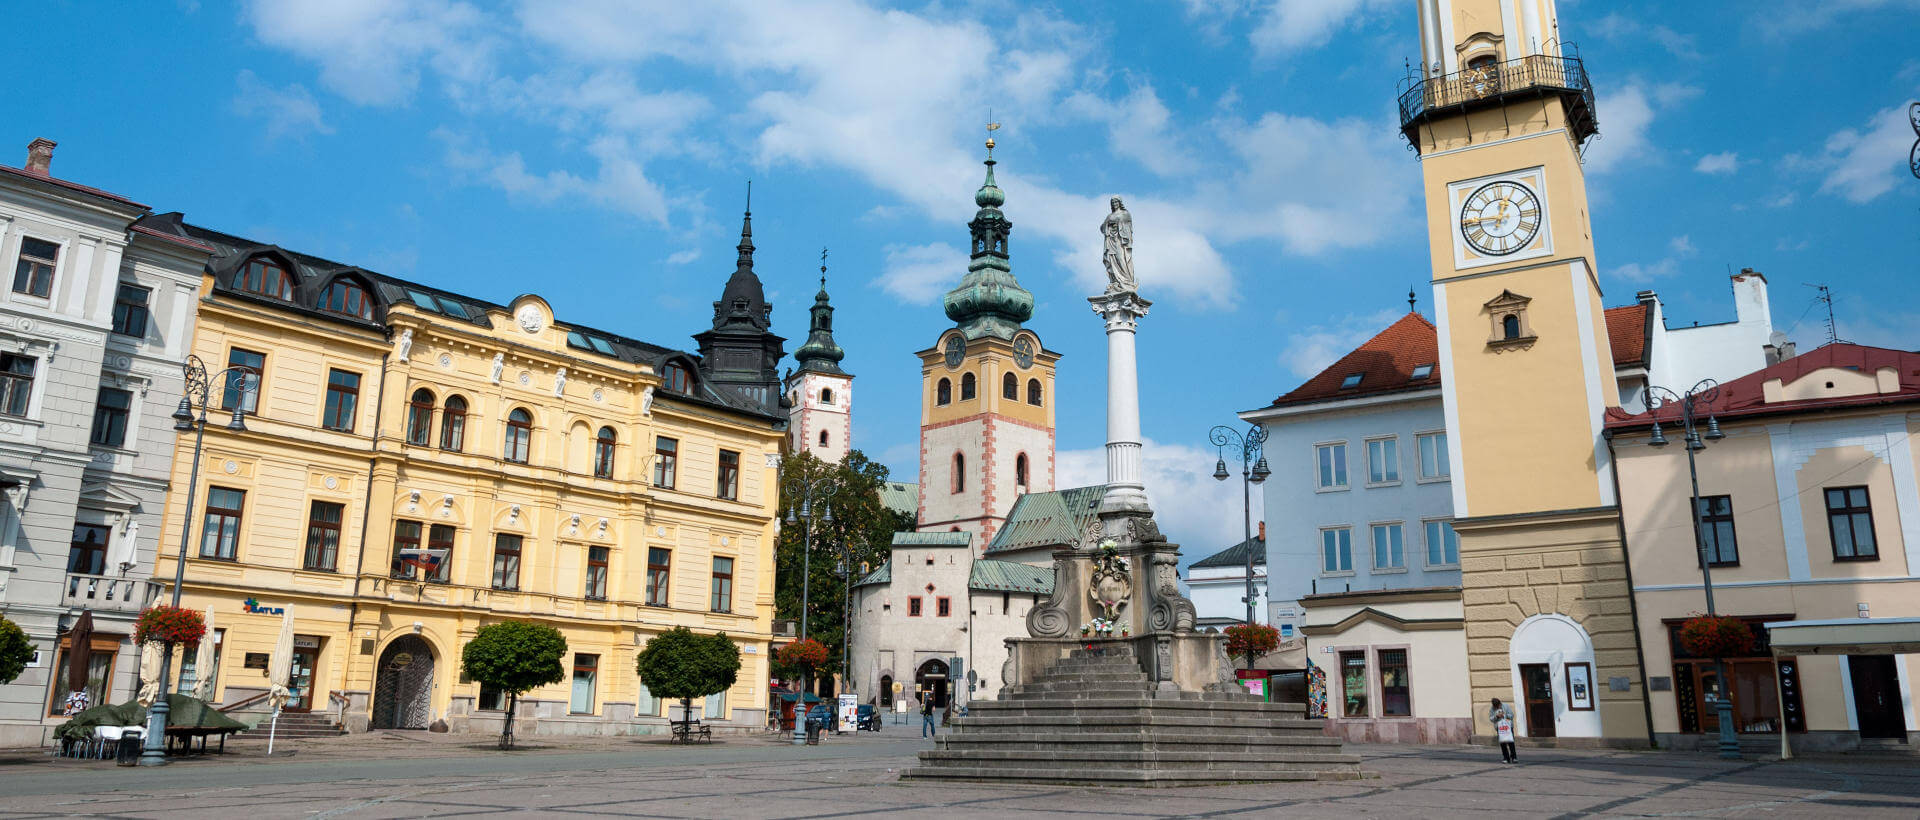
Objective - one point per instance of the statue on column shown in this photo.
(1118, 256)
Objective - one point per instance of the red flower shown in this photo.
(170, 624)
(1716, 636)
(805, 654)
(1252, 639)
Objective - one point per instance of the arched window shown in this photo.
(346, 297)
(966, 387)
(1020, 473)
(823, 438)
(267, 278)
(1010, 387)
(959, 473)
(420, 418)
(603, 453)
(453, 424)
(943, 392)
(1033, 392)
(1510, 327)
(519, 438)
(826, 395)
(674, 377)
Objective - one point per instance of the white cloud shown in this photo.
(1786, 20)
(1725, 162)
(1629, 116)
(1314, 185)
(620, 183)
(369, 51)
(1679, 248)
(1193, 509)
(290, 111)
(1311, 349)
(1860, 164)
(919, 274)
(683, 257)
(1617, 27)
(1300, 25)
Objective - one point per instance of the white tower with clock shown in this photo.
(986, 420)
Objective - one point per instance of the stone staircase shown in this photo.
(1095, 718)
(295, 725)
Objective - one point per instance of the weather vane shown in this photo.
(991, 127)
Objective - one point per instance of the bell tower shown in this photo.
(986, 419)
(820, 392)
(1499, 110)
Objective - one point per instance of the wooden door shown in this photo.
(1876, 696)
(301, 681)
(1536, 683)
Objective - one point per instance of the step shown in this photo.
(1020, 691)
(1116, 701)
(1164, 739)
(1291, 726)
(1174, 761)
(1123, 776)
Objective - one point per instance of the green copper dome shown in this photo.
(989, 301)
(821, 354)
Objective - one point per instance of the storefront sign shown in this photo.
(253, 607)
(256, 660)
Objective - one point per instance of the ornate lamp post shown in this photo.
(811, 494)
(1253, 470)
(1702, 393)
(191, 415)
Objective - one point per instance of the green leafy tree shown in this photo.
(15, 651)
(680, 664)
(514, 657)
(858, 536)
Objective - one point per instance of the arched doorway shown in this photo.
(886, 691)
(930, 681)
(403, 685)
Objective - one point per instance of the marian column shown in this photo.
(1121, 308)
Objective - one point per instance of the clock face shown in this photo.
(956, 350)
(1023, 352)
(1500, 218)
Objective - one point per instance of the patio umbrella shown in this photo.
(150, 672)
(79, 659)
(203, 664)
(280, 673)
(124, 551)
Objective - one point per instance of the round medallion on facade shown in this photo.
(956, 350)
(1500, 217)
(529, 318)
(332, 482)
(1023, 352)
(26, 324)
(599, 395)
(446, 360)
(231, 467)
(525, 377)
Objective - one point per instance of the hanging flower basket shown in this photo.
(807, 654)
(170, 624)
(1716, 636)
(1252, 640)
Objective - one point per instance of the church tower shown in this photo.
(986, 419)
(820, 392)
(1499, 111)
(740, 352)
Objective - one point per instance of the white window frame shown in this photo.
(1336, 573)
(1440, 439)
(1427, 544)
(1394, 480)
(1373, 542)
(1343, 467)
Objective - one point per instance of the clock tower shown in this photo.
(986, 419)
(1499, 110)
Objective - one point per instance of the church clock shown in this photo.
(1023, 352)
(956, 350)
(1500, 217)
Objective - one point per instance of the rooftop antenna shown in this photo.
(749, 197)
(1825, 297)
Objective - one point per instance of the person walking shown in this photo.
(1502, 719)
(927, 728)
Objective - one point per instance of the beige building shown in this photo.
(1810, 512)
(1396, 663)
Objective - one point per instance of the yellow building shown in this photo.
(1498, 112)
(605, 486)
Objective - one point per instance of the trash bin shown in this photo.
(128, 752)
(813, 732)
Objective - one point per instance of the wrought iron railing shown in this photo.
(106, 593)
(1565, 76)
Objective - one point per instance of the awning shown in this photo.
(1845, 636)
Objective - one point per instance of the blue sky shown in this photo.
(596, 152)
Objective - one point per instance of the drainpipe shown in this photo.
(1633, 603)
(366, 504)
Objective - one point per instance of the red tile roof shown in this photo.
(1627, 333)
(1745, 396)
(1386, 361)
(72, 186)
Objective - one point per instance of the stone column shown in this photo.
(1125, 494)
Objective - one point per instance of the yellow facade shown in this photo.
(989, 359)
(1499, 119)
(585, 534)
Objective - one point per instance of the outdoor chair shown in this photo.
(103, 739)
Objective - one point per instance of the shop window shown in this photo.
(1353, 684)
(1396, 698)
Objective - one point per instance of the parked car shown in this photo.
(869, 718)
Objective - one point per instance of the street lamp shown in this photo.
(1702, 393)
(1253, 470)
(811, 494)
(192, 415)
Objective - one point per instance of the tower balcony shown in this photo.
(1497, 84)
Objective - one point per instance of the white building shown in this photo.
(1218, 586)
(93, 330)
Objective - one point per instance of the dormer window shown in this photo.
(1421, 372)
(347, 298)
(267, 278)
(674, 378)
(1351, 381)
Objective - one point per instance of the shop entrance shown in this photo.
(930, 681)
(1536, 681)
(1876, 696)
(403, 688)
(306, 656)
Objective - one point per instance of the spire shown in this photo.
(740, 352)
(989, 300)
(745, 247)
(820, 354)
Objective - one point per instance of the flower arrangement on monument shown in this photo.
(170, 624)
(1715, 636)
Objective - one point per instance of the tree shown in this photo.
(514, 657)
(860, 534)
(15, 651)
(679, 664)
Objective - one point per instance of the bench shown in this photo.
(686, 731)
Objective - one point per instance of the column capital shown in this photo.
(1122, 310)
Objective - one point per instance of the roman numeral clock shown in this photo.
(1500, 218)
